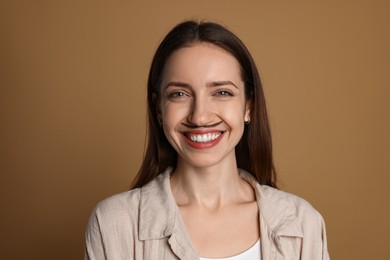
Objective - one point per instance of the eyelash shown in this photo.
(180, 94)
(176, 94)
(224, 93)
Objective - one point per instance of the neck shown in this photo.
(211, 187)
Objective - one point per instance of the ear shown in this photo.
(247, 115)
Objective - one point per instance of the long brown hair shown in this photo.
(254, 151)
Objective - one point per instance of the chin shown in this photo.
(202, 161)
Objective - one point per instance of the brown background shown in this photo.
(72, 107)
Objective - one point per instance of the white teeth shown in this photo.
(204, 138)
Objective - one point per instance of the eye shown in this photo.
(224, 93)
(176, 94)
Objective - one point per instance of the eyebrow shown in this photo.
(221, 83)
(210, 84)
(176, 84)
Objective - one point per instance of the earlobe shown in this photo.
(247, 119)
(247, 116)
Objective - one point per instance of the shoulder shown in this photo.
(113, 219)
(290, 201)
(290, 222)
(130, 204)
(125, 203)
(120, 210)
(280, 207)
(288, 216)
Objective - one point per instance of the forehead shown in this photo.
(202, 61)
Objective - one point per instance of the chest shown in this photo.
(174, 248)
(222, 233)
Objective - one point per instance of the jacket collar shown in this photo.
(275, 209)
(159, 215)
(157, 212)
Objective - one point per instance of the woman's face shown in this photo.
(203, 105)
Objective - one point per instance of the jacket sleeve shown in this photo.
(314, 244)
(94, 246)
(314, 241)
(325, 253)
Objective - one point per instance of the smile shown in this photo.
(203, 138)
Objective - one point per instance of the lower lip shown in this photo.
(201, 145)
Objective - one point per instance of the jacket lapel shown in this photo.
(278, 223)
(157, 209)
(181, 244)
(159, 217)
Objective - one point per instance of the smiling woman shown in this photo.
(207, 185)
(203, 106)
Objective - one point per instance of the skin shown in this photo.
(203, 98)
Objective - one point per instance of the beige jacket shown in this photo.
(145, 223)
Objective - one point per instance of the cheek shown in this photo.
(234, 114)
(172, 115)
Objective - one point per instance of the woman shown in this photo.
(207, 185)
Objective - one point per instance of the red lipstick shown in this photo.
(202, 139)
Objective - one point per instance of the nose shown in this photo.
(201, 113)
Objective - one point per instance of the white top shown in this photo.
(253, 253)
